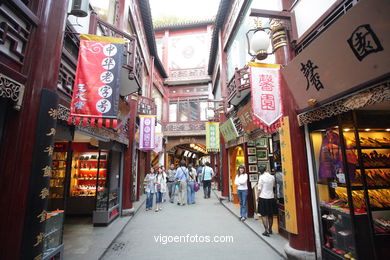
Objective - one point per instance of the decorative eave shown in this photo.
(184, 25)
(373, 95)
(149, 31)
(219, 20)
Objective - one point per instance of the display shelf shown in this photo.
(374, 167)
(373, 148)
(338, 210)
(330, 251)
(379, 209)
(94, 179)
(382, 234)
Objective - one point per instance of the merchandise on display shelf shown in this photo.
(57, 175)
(353, 178)
(89, 173)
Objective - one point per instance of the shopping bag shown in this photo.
(196, 186)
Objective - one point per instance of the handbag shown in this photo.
(196, 186)
(158, 186)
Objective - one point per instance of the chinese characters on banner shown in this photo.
(147, 132)
(212, 137)
(158, 143)
(96, 87)
(288, 178)
(228, 130)
(266, 99)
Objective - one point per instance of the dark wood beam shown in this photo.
(270, 14)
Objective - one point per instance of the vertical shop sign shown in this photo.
(228, 130)
(266, 100)
(147, 132)
(212, 137)
(158, 143)
(96, 87)
(34, 231)
(288, 177)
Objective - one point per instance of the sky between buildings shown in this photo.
(190, 9)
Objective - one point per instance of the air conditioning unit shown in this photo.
(80, 8)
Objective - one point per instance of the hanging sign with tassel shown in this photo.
(96, 88)
(266, 99)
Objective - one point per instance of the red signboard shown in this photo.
(96, 88)
(266, 99)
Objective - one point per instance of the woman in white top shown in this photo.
(266, 201)
(242, 190)
(160, 186)
(150, 188)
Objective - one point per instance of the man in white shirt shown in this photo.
(266, 201)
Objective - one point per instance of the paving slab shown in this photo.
(152, 235)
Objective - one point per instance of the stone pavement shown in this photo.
(188, 223)
(276, 241)
(83, 241)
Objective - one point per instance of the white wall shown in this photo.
(307, 13)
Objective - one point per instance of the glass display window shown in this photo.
(352, 164)
(58, 171)
(89, 173)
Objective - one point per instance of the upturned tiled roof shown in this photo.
(184, 24)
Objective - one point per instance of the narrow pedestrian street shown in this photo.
(278, 109)
(205, 218)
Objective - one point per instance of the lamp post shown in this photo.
(263, 37)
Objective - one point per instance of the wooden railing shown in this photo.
(17, 22)
(239, 82)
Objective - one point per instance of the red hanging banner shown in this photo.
(96, 87)
(266, 99)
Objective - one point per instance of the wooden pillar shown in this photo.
(304, 240)
(128, 181)
(218, 176)
(225, 164)
(41, 65)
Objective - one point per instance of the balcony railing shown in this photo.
(239, 86)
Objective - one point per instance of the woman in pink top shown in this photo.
(266, 201)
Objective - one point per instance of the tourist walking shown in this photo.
(208, 174)
(164, 188)
(150, 188)
(171, 182)
(191, 185)
(159, 188)
(242, 190)
(181, 178)
(266, 201)
(199, 172)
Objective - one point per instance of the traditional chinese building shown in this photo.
(331, 97)
(184, 51)
(51, 169)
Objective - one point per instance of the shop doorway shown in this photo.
(236, 158)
